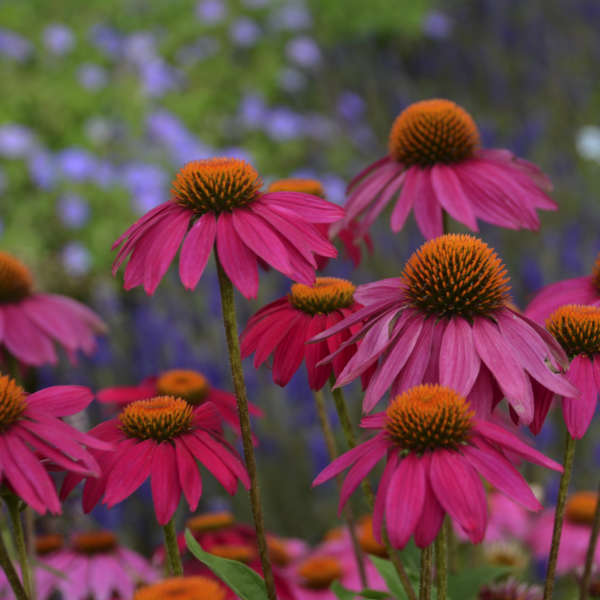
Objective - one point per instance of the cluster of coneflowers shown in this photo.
(453, 365)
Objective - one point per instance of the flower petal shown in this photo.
(579, 411)
(459, 363)
(196, 250)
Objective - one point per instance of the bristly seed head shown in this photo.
(240, 552)
(576, 328)
(581, 507)
(16, 282)
(95, 542)
(183, 383)
(325, 296)
(12, 402)
(46, 544)
(428, 417)
(433, 131)
(210, 522)
(194, 587)
(216, 185)
(319, 572)
(456, 274)
(306, 186)
(162, 418)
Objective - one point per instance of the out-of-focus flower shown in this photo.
(508, 521)
(435, 164)
(252, 111)
(76, 259)
(587, 142)
(158, 77)
(511, 589)
(437, 25)
(16, 141)
(210, 11)
(292, 16)
(106, 39)
(196, 588)
(92, 77)
(203, 48)
(435, 452)
(221, 197)
(58, 38)
(42, 169)
(244, 32)
(292, 80)
(350, 106)
(33, 320)
(15, 46)
(161, 438)
(73, 210)
(32, 436)
(76, 163)
(304, 51)
(284, 124)
(447, 319)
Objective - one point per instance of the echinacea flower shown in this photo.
(218, 202)
(183, 588)
(94, 565)
(282, 328)
(30, 321)
(511, 589)
(447, 319)
(577, 329)
(435, 164)
(435, 450)
(188, 384)
(161, 438)
(348, 234)
(32, 436)
(575, 537)
(508, 521)
(578, 290)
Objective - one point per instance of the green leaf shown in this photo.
(466, 584)
(245, 582)
(375, 594)
(390, 576)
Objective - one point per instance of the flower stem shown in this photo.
(426, 563)
(591, 551)
(559, 516)
(11, 574)
(172, 549)
(15, 516)
(348, 516)
(235, 358)
(441, 562)
(342, 411)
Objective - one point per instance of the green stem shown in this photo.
(591, 551)
(15, 516)
(426, 563)
(452, 547)
(172, 549)
(342, 411)
(11, 574)
(235, 358)
(559, 516)
(348, 516)
(441, 562)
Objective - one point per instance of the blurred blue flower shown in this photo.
(15, 46)
(166, 127)
(76, 163)
(73, 210)
(104, 173)
(42, 169)
(284, 124)
(203, 48)
(158, 77)
(139, 48)
(350, 106)
(76, 259)
(292, 80)
(58, 38)
(244, 32)
(91, 76)
(437, 25)
(531, 273)
(16, 141)
(147, 184)
(99, 130)
(335, 188)
(304, 51)
(106, 39)
(210, 11)
(252, 110)
(318, 126)
(292, 16)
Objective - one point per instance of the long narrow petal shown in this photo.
(61, 400)
(189, 475)
(304, 207)
(433, 514)
(451, 195)
(459, 362)
(196, 249)
(382, 490)
(289, 354)
(406, 201)
(313, 353)
(24, 339)
(227, 455)
(369, 169)
(428, 212)
(164, 482)
(579, 410)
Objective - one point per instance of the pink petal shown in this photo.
(266, 335)
(428, 212)
(459, 363)
(289, 354)
(125, 394)
(313, 353)
(305, 207)
(196, 250)
(369, 169)
(579, 411)
(227, 455)
(24, 339)
(451, 195)
(543, 401)
(189, 475)
(164, 482)
(61, 400)
(399, 213)
(433, 514)
(382, 491)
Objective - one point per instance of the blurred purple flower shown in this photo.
(318, 126)
(106, 39)
(76, 259)
(15, 46)
(284, 124)
(304, 51)
(139, 48)
(104, 173)
(293, 17)
(147, 184)
(210, 11)
(76, 163)
(292, 80)
(73, 211)
(157, 77)
(16, 141)
(252, 111)
(42, 169)
(437, 25)
(91, 76)
(166, 127)
(335, 188)
(350, 106)
(244, 32)
(531, 274)
(203, 48)
(58, 38)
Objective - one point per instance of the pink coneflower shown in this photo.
(349, 234)
(32, 436)
(183, 588)
(282, 328)
(508, 521)
(447, 319)
(578, 290)
(30, 322)
(435, 164)
(217, 201)
(93, 566)
(575, 537)
(161, 438)
(577, 329)
(435, 452)
(188, 384)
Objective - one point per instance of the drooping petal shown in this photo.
(459, 363)
(24, 339)
(428, 212)
(579, 411)
(289, 354)
(196, 250)
(382, 490)
(189, 475)
(451, 196)
(314, 353)
(433, 514)
(61, 400)
(164, 482)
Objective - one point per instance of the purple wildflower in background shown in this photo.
(42, 169)
(76, 259)
(76, 163)
(203, 48)
(58, 38)
(147, 183)
(92, 77)
(293, 17)
(244, 32)
(73, 211)
(139, 48)
(210, 11)
(350, 106)
(304, 51)
(15, 46)
(16, 141)
(253, 111)
(284, 124)
(437, 25)
(157, 77)
(292, 80)
(106, 39)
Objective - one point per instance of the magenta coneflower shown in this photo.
(182, 383)
(32, 436)
(447, 320)
(578, 290)
(435, 452)
(282, 328)
(435, 164)
(161, 438)
(577, 329)
(184, 588)
(218, 201)
(30, 322)
(349, 234)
